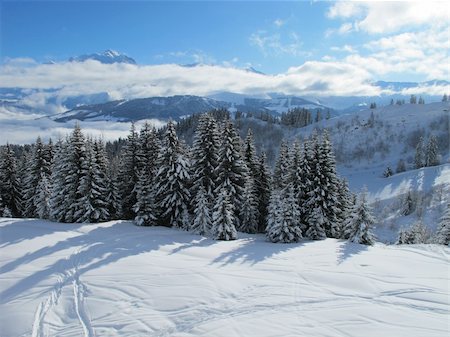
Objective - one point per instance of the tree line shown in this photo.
(217, 187)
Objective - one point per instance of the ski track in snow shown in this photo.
(176, 284)
(68, 277)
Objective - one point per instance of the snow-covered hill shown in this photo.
(183, 105)
(116, 279)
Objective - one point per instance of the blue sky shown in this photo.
(159, 32)
(308, 48)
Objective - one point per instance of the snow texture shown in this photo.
(116, 279)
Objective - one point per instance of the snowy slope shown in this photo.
(115, 279)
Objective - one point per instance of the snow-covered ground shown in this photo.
(116, 279)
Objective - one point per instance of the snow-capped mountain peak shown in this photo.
(109, 56)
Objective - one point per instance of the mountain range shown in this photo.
(179, 106)
(101, 106)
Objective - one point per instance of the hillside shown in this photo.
(116, 279)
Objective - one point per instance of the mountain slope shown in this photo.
(107, 57)
(116, 279)
(183, 105)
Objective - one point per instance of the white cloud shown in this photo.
(275, 44)
(25, 130)
(391, 16)
(132, 81)
(423, 53)
(345, 28)
(344, 9)
(345, 48)
(279, 22)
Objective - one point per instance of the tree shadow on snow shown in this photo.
(347, 250)
(196, 242)
(97, 248)
(256, 249)
(18, 230)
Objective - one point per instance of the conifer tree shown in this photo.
(274, 210)
(58, 178)
(281, 167)
(286, 228)
(232, 171)
(38, 167)
(148, 150)
(202, 221)
(305, 176)
(344, 205)
(76, 170)
(113, 194)
(42, 199)
(316, 217)
(172, 181)
(6, 212)
(145, 207)
(249, 211)
(263, 184)
(360, 228)
(329, 183)
(223, 220)
(10, 184)
(92, 205)
(419, 159)
(416, 234)
(129, 173)
(443, 231)
(432, 154)
(250, 157)
(205, 151)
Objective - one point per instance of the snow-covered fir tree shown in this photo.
(329, 183)
(113, 197)
(129, 173)
(42, 199)
(92, 203)
(286, 228)
(419, 159)
(282, 165)
(408, 204)
(205, 150)
(344, 205)
(76, 170)
(223, 220)
(305, 175)
(202, 222)
(148, 150)
(60, 170)
(6, 212)
(10, 184)
(249, 211)
(38, 167)
(232, 171)
(362, 220)
(315, 205)
(432, 155)
(443, 231)
(263, 186)
(274, 210)
(172, 181)
(145, 207)
(416, 234)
